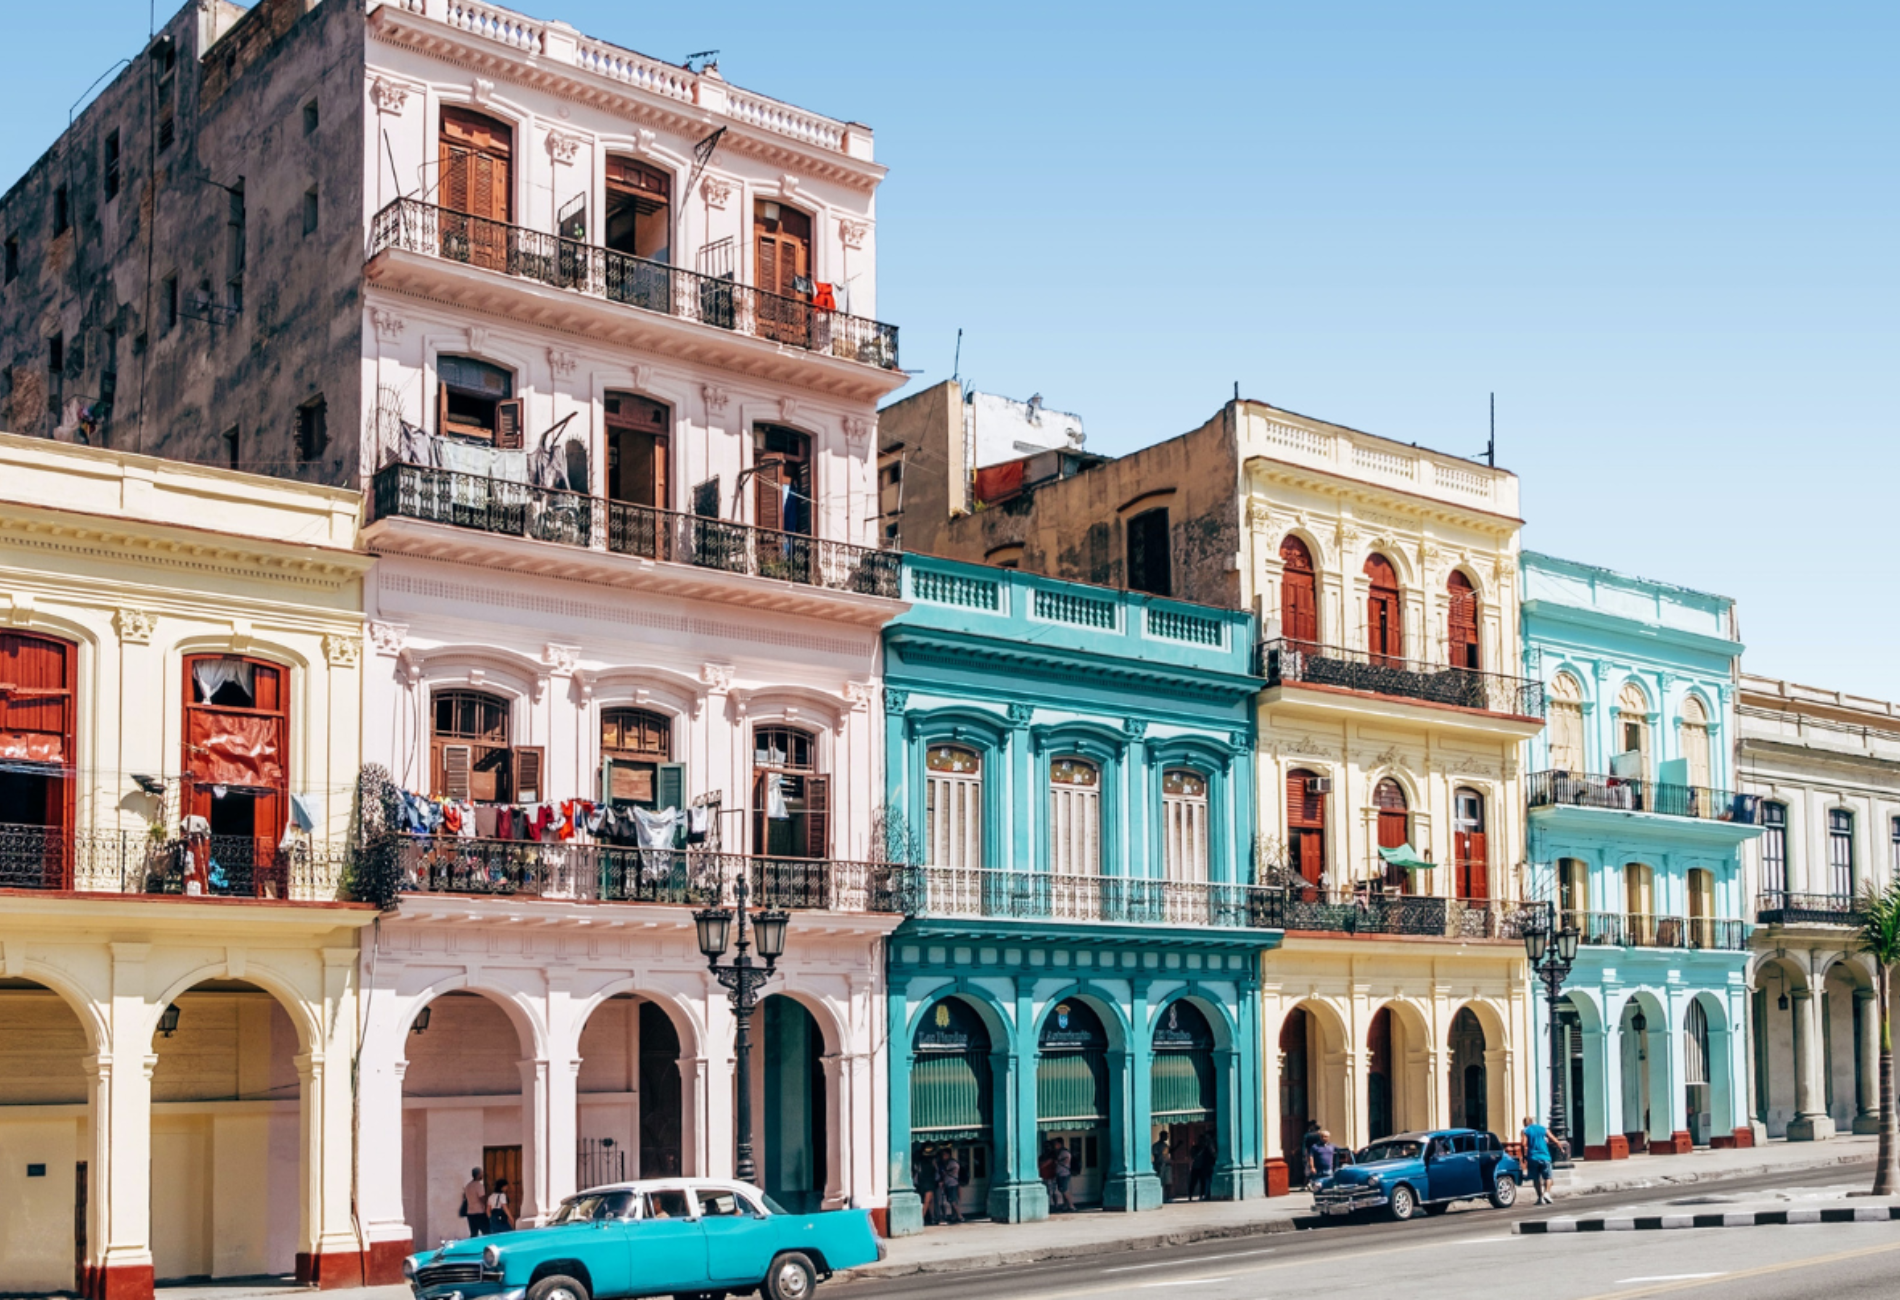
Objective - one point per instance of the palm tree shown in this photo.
(1880, 939)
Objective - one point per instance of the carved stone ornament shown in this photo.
(788, 409)
(482, 90)
(1259, 515)
(643, 140)
(1020, 714)
(1134, 728)
(389, 326)
(895, 700)
(718, 191)
(477, 338)
(860, 694)
(562, 147)
(857, 431)
(717, 678)
(390, 96)
(853, 232)
(716, 397)
(642, 376)
(341, 651)
(135, 625)
(561, 660)
(562, 363)
(387, 638)
(788, 184)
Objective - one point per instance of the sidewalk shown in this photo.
(1071, 1236)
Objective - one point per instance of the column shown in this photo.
(1240, 1174)
(1264, 1042)
(1866, 1061)
(1675, 1050)
(1131, 1182)
(379, 1162)
(1810, 1123)
(701, 1155)
(1663, 1099)
(535, 1175)
(840, 1121)
(1019, 1195)
(119, 1214)
(1602, 1137)
(906, 1207)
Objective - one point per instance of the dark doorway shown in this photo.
(659, 1094)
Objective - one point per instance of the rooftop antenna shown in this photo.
(1491, 444)
(956, 367)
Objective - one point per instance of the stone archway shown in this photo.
(1398, 1074)
(1313, 1082)
(44, 1045)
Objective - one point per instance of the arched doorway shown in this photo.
(1847, 1061)
(1299, 595)
(462, 1110)
(1381, 1111)
(1183, 1093)
(610, 1090)
(1395, 830)
(950, 1097)
(1385, 639)
(1072, 1093)
(1696, 1070)
(227, 1135)
(793, 1095)
(1777, 984)
(661, 1117)
(1644, 1044)
(1297, 1100)
(44, 1119)
(1470, 1090)
(36, 757)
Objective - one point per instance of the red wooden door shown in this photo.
(1461, 631)
(236, 766)
(1395, 828)
(1385, 638)
(36, 759)
(1306, 826)
(1473, 879)
(1299, 600)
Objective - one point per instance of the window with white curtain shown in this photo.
(1566, 725)
(953, 806)
(1695, 740)
(1184, 824)
(1632, 726)
(1075, 817)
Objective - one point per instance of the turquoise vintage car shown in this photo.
(1411, 1172)
(692, 1238)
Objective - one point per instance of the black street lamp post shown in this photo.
(743, 979)
(1552, 952)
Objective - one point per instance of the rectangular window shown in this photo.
(310, 210)
(1840, 852)
(112, 166)
(1184, 825)
(312, 434)
(62, 212)
(953, 807)
(231, 450)
(1148, 559)
(234, 227)
(168, 303)
(13, 258)
(1896, 846)
(310, 118)
(1075, 817)
(167, 129)
(56, 353)
(1774, 848)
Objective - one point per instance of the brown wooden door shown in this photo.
(1395, 828)
(1384, 636)
(782, 252)
(1299, 598)
(1473, 878)
(637, 454)
(1306, 826)
(1461, 631)
(499, 1163)
(476, 158)
(36, 751)
(237, 770)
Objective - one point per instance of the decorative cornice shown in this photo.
(387, 638)
(564, 148)
(852, 232)
(178, 546)
(1156, 679)
(342, 651)
(717, 190)
(390, 96)
(134, 626)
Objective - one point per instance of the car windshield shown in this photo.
(594, 1205)
(1396, 1149)
(772, 1206)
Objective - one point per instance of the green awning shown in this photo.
(1182, 1085)
(948, 1092)
(1071, 1089)
(1405, 856)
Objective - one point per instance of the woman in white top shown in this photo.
(500, 1218)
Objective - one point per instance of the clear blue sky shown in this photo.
(1663, 233)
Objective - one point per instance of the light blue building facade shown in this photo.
(1636, 837)
(1072, 770)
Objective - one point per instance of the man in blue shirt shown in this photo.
(1537, 1158)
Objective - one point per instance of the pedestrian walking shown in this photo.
(1201, 1170)
(500, 1217)
(1321, 1157)
(950, 1187)
(1306, 1150)
(1064, 1170)
(925, 1181)
(1537, 1158)
(1163, 1157)
(475, 1203)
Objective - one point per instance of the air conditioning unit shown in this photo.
(1319, 785)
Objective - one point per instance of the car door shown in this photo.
(740, 1237)
(668, 1246)
(1462, 1174)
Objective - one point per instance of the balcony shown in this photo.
(1568, 790)
(629, 284)
(600, 873)
(131, 862)
(501, 508)
(1311, 910)
(978, 893)
(1808, 909)
(1302, 663)
(1641, 930)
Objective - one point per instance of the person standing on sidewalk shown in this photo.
(1064, 1169)
(1163, 1158)
(1307, 1144)
(950, 1187)
(475, 1204)
(925, 1181)
(1537, 1159)
(1201, 1169)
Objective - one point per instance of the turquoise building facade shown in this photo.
(1635, 835)
(1071, 770)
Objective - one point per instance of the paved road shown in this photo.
(1471, 1251)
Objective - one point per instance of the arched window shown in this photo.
(1385, 638)
(1395, 827)
(1694, 729)
(953, 807)
(791, 802)
(1774, 847)
(1632, 733)
(1566, 725)
(1468, 846)
(1461, 621)
(782, 249)
(1573, 891)
(1639, 904)
(471, 757)
(1075, 817)
(1299, 593)
(36, 755)
(1701, 908)
(1306, 824)
(636, 753)
(1840, 852)
(1184, 824)
(475, 178)
(237, 761)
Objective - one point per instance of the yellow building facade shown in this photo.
(180, 700)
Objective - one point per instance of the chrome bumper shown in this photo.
(1344, 1202)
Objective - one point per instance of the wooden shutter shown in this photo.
(1299, 601)
(1473, 878)
(1383, 633)
(452, 192)
(528, 763)
(769, 262)
(1303, 808)
(767, 481)
(456, 763)
(817, 816)
(1312, 856)
(1462, 622)
(508, 416)
(670, 791)
(441, 409)
(759, 841)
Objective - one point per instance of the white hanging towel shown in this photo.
(775, 799)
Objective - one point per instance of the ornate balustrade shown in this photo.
(1307, 663)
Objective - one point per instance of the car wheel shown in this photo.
(556, 1286)
(1504, 1192)
(1403, 1204)
(791, 1278)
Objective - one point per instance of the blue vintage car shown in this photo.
(686, 1237)
(1423, 1171)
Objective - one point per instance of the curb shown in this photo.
(1081, 1250)
(1742, 1219)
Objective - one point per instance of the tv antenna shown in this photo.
(1491, 444)
(956, 366)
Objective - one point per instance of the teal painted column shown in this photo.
(906, 1207)
(1021, 795)
(1140, 859)
(1019, 1195)
(1239, 1171)
(1131, 1182)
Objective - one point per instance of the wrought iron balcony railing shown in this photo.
(715, 301)
(571, 519)
(1643, 930)
(1781, 908)
(1285, 660)
(1310, 909)
(1624, 794)
(995, 894)
(610, 874)
(132, 862)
